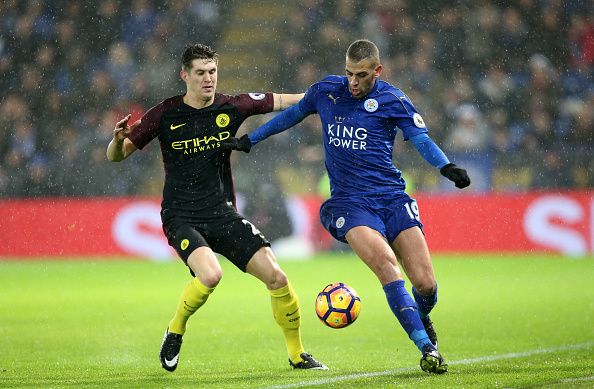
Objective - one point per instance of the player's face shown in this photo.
(201, 79)
(362, 76)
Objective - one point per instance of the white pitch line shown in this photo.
(324, 381)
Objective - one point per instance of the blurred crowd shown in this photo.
(506, 87)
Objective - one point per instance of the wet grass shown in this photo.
(503, 321)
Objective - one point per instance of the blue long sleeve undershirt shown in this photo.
(429, 150)
(281, 122)
(292, 116)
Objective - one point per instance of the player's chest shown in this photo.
(352, 113)
(179, 131)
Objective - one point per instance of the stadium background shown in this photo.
(505, 87)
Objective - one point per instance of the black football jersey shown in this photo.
(197, 170)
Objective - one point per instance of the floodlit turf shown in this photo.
(502, 321)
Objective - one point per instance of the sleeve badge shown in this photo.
(419, 122)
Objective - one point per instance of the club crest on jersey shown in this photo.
(371, 105)
(257, 96)
(418, 120)
(222, 120)
(340, 222)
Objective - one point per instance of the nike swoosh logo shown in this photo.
(189, 306)
(292, 313)
(173, 362)
(178, 126)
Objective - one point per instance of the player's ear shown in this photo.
(184, 75)
(378, 70)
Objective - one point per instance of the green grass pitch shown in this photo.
(521, 321)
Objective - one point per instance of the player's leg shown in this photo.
(204, 264)
(206, 271)
(285, 306)
(411, 249)
(413, 254)
(373, 248)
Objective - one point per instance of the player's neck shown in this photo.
(197, 103)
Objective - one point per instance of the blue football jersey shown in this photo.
(359, 134)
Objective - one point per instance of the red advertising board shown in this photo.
(128, 226)
(537, 221)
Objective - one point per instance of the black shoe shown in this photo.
(169, 353)
(308, 363)
(432, 361)
(428, 324)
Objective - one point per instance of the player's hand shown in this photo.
(456, 174)
(122, 130)
(240, 144)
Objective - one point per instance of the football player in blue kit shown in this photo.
(369, 208)
(198, 208)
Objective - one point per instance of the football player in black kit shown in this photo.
(198, 208)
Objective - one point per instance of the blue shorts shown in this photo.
(386, 214)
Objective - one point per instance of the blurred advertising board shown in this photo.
(559, 222)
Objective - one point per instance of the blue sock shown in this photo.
(406, 311)
(425, 303)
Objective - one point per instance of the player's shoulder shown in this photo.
(169, 102)
(333, 79)
(388, 94)
(330, 83)
(389, 90)
(242, 98)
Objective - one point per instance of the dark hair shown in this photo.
(363, 49)
(197, 51)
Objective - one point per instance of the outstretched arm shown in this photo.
(278, 124)
(284, 101)
(120, 146)
(435, 156)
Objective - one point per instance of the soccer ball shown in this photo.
(338, 305)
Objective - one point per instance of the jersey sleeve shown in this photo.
(249, 104)
(149, 123)
(307, 105)
(148, 128)
(407, 117)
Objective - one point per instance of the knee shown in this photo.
(205, 266)
(211, 277)
(426, 287)
(277, 279)
(264, 267)
(209, 274)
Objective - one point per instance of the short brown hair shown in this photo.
(363, 49)
(197, 51)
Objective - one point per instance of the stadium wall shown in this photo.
(559, 222)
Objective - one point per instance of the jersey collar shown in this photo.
(373, 90)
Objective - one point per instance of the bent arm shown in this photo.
(119, 150)
(278, 124)
(284, 101)
(429, 150)
(120, 146)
